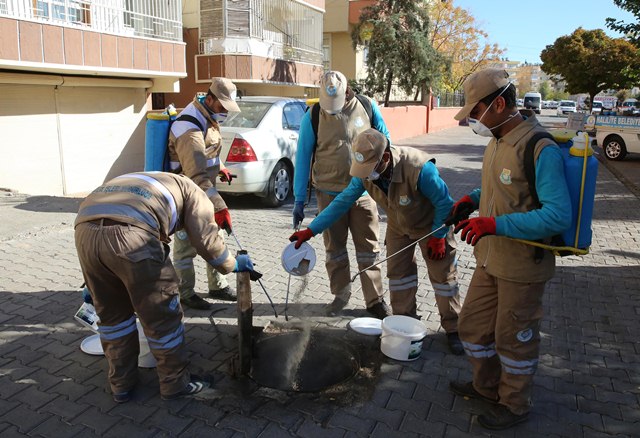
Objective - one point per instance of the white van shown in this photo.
(533, 101)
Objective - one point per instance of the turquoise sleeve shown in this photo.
(377, 121)
(475, 196)
(435, 190)
(338, 207)
(306, 143)
(554, 216)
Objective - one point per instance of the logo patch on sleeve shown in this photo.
(505, 176)
(404, 200)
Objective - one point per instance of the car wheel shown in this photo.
(614, 148)
(280, 186)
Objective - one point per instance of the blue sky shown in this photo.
(525, 28)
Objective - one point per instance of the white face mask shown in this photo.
(219, 117)
(483, 130)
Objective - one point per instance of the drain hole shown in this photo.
(302, 361)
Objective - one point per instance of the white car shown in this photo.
(553, 104)
(259, 147)
(566, 107)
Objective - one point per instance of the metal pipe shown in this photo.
(398, 252)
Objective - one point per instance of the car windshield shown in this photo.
(567, 103)
(251, 113)
(597, 105)
(532, 100)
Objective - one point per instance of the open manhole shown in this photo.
(303, 361)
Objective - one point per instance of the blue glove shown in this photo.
(243, 263)
(298, 213)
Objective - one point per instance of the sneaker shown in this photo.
(380, 310)
(335, 306)
(454, 344)
(196, 385)
(225, 294)
(500, 417)
(466, 389)
(122, 397)
(195, 302)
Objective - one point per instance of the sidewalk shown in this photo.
(587, 384)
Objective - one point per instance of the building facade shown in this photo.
(75, 84)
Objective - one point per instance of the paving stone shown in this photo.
(23, 418)
(98, 421)
(31, 396)
(55, 428)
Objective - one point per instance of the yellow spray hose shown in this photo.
(584, 176)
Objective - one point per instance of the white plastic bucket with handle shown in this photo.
(402, 337)
(145, 358)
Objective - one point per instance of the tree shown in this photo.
(456, 36)
(398, 47)
(545, 90)
(590, 61)
(631, 30)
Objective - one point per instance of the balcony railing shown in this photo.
(159, 19)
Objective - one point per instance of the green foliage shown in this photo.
(590, 61)
(399, 50)
(622, 95)
(545, 90)
(631, 30)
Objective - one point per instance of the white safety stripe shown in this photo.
(167, 195)
(445, 290)
(366, 256)
(519, 363)
(337, 256)
(403, 280)
(479, 351)
(179, 127)
(213, 162)
(169, 341)
(403, 283)
(220, 259)
(520, 371)
(211, 191)
(183, 264)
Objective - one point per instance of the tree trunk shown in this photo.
(388, 91)
(426, 95)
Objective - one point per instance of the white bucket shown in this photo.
(145, 358)
(402, 337)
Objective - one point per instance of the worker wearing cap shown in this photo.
(194, 150)
(406, 184)
(500, 321)
(122, 233)
(342, 117)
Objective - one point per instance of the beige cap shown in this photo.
(479, 85)
(333, 91)
(367, 150)
(225, 91)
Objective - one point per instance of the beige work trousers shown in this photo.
(402, 272)
(500, 331)
(128, 272)
(362, 221)
(183, 255)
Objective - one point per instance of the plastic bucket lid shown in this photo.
(299, 261)
(402, 337)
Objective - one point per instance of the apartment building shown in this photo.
(267, 47)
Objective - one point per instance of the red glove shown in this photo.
(225, 175)
(460, 211)
(436, 248)
(476, 228)
(301, 236)
(223, 219)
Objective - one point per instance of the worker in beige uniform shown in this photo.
(194, 150)
(499, 323)
(122, 234)
(342, 116)
(406, 184)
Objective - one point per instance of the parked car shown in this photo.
(553, 104)
(630, 107)
(533, 101)
(596, 107)
(520, 102)
(259, 147)
(566, 107)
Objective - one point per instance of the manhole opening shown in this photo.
(303, 361)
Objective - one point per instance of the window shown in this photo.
(71, 11)
(292, 115)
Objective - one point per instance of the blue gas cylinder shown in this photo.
(156, 138)
(581, 170)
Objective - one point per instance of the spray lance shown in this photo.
(253, 275)
(411, 245)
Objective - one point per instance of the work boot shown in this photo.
(380, 310)
(466, 389)
(454, 343)
(196, 385)
(122, 397)
(195, 302)
(225, 294)
(500, 417)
